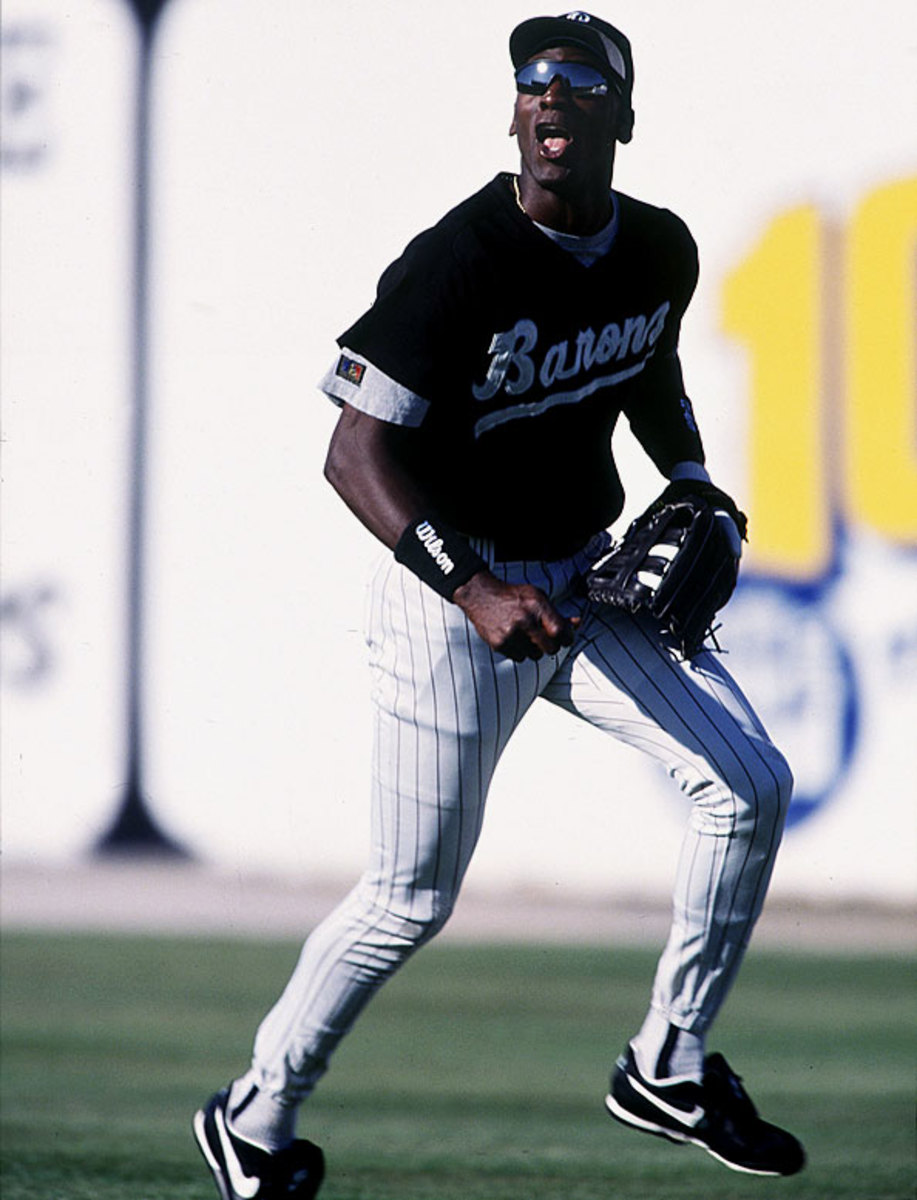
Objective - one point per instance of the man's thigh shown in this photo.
(692, 716)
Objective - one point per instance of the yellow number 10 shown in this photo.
(833, 421)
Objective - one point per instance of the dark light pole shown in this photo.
(133, 830)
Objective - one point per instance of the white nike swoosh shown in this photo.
(691, 1117)
(244, 1185)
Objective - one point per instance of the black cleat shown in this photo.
(716, 1115)
(245, 1172)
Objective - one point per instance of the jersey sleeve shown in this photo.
(662, 417)
(658, 408)
(353, 379)
(390, 357)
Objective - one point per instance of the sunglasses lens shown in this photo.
(534, 78)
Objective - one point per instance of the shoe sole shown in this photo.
(200, 1136)
(621, 1114)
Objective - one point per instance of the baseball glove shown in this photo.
(677, 561)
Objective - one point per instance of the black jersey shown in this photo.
(513, 361)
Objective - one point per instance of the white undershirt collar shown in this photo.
(591, 248)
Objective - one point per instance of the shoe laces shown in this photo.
(725, 1088)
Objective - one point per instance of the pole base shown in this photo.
(134, 833)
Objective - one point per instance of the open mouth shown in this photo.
(553, 140)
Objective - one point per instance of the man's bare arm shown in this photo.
(365, 467)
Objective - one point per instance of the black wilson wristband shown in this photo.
(438, 555)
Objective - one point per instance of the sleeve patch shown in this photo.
(363, 386)
(351, 370)
(688, 414)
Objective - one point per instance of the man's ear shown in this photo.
(625, 127)
(513, 127)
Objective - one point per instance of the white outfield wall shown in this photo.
(296, 147)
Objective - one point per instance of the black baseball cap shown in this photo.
(603, 41)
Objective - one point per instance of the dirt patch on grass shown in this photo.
(154, 896)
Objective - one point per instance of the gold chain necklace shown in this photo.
(518, 197)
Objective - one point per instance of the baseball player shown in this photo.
(478, 396)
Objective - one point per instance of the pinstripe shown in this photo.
(712, 876)
(280, 1029)
(390, 640)
(716, 867)
(317, 972)
(750, 751)
(497, 708)
(658, 745)
(437, 732)
(392, 645)
(412, 692)
(479, 721)
(445, 707)
(455, 865)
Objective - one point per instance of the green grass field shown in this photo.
(478, 1074)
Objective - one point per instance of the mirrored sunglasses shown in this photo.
(534, 78)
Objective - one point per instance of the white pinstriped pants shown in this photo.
(445, 708)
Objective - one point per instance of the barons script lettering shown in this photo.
(513, 367)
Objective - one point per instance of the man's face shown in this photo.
(567, 141)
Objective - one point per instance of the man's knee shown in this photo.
(397, 920)
(764, 799)
(754, 796)
(776, 786)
